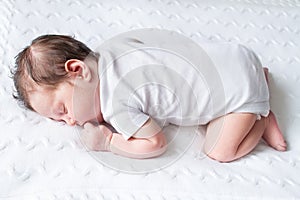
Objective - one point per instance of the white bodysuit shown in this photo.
(172, 79)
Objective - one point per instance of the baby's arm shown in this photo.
(147, 142)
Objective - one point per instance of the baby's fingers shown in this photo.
(88, 126)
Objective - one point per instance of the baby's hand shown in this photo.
(96, 138)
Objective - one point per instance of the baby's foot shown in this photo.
(272, 135)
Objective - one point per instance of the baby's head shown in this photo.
(56, 76)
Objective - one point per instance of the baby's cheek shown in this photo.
(83, 113)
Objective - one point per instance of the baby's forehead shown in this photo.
(40, 98)
(32, 86)
(42, 89)
(39, 91)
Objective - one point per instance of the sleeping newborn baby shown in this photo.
(143, 80)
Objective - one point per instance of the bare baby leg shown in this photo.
(232, 136)
(236, 134)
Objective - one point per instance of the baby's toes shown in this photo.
(280, 147)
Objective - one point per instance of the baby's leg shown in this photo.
(272, 135)
(233, 136)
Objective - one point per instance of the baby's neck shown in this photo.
(100, 118)
(98, 103)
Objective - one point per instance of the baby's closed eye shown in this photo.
(58, 112)
(57, 120)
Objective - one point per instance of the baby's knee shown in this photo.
(224, 156)
(220, 158)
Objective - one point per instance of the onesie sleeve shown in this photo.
(149, 129)
(128, 120)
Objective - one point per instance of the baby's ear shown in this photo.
(78, 68)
